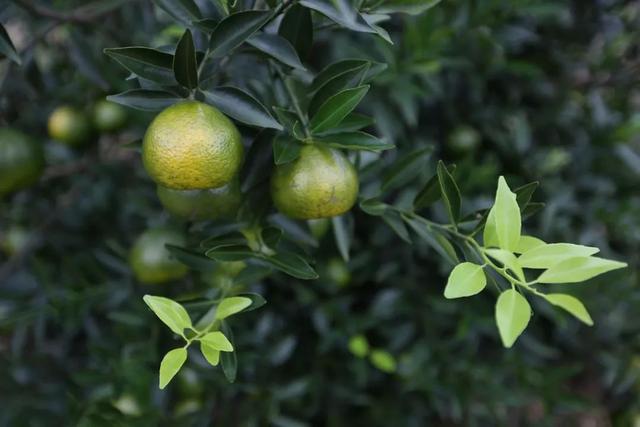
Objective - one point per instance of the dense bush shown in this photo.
(467, 91)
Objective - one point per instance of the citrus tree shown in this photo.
(283, 142)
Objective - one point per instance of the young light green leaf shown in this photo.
(512, 316)
(383, 360)
(526, 243)
(218, 341)
(355, 141)
(574, 270)
(450, 192)
(285, 149)
(506, 216)
(7, 48)
(233, 30)
(489, 234)
(185, 67)
(547, 255)
(336, 108)
(241, 106)
(145, 99)
(276, 47)
(507, 259)
(232, 305)
(145, 62)
(170, 312)
(465, 280)
(359, 346)
(211, 354)
(572, 305)
(171, 364)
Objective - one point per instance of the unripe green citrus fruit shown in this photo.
(21, 160)
(320, 183)
(69, 126)
(14, 239)
(108, 116)
(464, 139)
(319, 227)
(192, 146)
(338, 271)
(151, 261)
(199, 205)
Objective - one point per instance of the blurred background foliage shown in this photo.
(532, 89)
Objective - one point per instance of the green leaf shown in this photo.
(406, 168)
(196, 260)
(430, 193)
(241, 106)
(276, 47)
(232, 305)
(7, 48)
(233, 30)
(348, 79)
(383, 361)
(297, 27)
(572, 305)
(145, 62)
(574, 270)
(230, 253)
(185, 67)
(506, 217)
(359, 346)
(465, 280)
(257, 300)
(355, 141)
(336, 69)
(450, 192)
(512, 316)
(526, 243)
(181, 10)
(346, 18)
(351, 123)
(285, 149)
(170, 312)
(229, 359)
(532, 209)
(411, 7)
(336, 108)
(490, 234)
(394, 220)
(145, 99)
(524, 193)
(341, 232)
(210, 354)
(547, 255)
(435, 239)
(217, 341)
(373, 206)
(507, 259)
(292, 264)
(171, 364)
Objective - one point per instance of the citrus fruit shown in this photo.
(338, 271)
(198, 205)
(70, 126)
(320, 183)
(108, 116)
(192, 146)
(464, 139)
(14, 239)
(319, 227)
(21, 160)
(151, 261)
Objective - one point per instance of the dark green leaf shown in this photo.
(336, 108)
(292, 264)
(277, 47)
(393, 219)
(145, 99)
(343, 81)
(412, 7)
(435, 239)
(285, 149)
(145, 62)
(450, 192)
(230, 253)
(241, 106)
(346, 17)
(257, 301)
(185, 67)
(334, 70)
(406, 168)
(235, 29)
(532, 209)
(229, 359)
(297, 27)
(373, 206)
(342, 231)
(271, 235)
(190, 258)
(181, 10)
(7, 48)
(351, 123)
(355, 141)
(430, 193)
(524, 193)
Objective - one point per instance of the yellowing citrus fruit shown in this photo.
(108, 116)
(21, 160)
(198, 205)
(70, 126)
(320, 183)
(192, 146)
(151, 261)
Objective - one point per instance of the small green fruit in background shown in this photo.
(199, 205)
(464, 139)
(338, 271)
(108, 116)
(14, 239)
(69, 126)
(383, 360)
(151, 261)
(319, 227)
(21, 160)
(359, 346)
